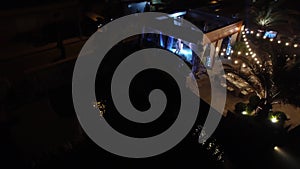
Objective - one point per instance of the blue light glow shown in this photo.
(270, 34)
(186, 53)
(228, 50)
(161, 40)
(174, 15)
(170, 44)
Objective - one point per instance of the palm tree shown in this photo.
(267, 13)
(276, 79)
(288, 84)
(267, 18)
(253, 74)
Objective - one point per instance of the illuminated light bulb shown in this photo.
(276, 148)
(229, 58)
(222, 54)
(255, 59)
(258, 34)
(271, 40)
(264, 37)
(251, 53)
(257, 62)
(246, 43)
(247, 32)
(224, 50)
(244, 113)
(295, 45)
(287, 44)
(239, 52)
(244, 36)
(243, 33)
(260, 65)
(254, 54)
(251, 32)
(279, 41)
(231, 51)
(248, 46)
(274, 119)
(249, 49)
(244, 65)
(246, 29)
(236, 62)
(247, 54)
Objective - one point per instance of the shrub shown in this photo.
(253, 102)
(240, 107)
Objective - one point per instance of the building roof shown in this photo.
(208, 22)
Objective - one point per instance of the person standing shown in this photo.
(179, 46)
(147, 7)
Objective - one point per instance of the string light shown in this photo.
(229, 58)
(253, 55)
(258, 34)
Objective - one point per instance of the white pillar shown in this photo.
(233, 38)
